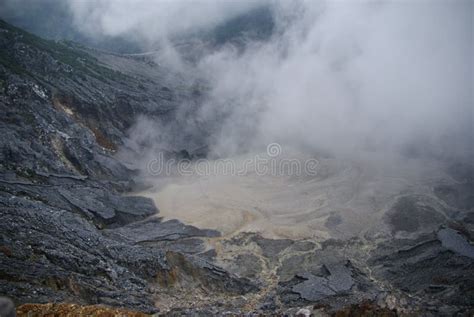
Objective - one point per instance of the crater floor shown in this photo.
(345, 198)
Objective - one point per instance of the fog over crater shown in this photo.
(385, 82)
(215, 157)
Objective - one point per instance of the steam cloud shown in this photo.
(341, 77)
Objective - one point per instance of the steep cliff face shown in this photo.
(63, 116)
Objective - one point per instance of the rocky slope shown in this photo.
(71, 232)
(63, 115)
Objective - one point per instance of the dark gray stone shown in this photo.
(409, 215)
(153, 229)
(316, 287)
(107, 207)
(303, 246)
(340, 278)
(54, 255)
(454, 241)
(7, 308)
(272, 247)
(415, 266)
(245, 265)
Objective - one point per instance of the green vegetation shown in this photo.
(62, 51)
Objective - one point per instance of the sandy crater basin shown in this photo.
(344, 198)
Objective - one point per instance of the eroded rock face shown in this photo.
(432, 267)
(56, 254)
(63, 115)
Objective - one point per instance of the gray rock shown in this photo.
(64, 114)
(152, 230)
(7, 308)
(415, 266)
(207, 275)
(272, 247)
(108, 207)
(454, 241)
(54, 255)
(303, 246)
(410, 215)
(245, 265)
(340, 278)
(303, 312)
(188, 245)
(316, 287)
(170, 235)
